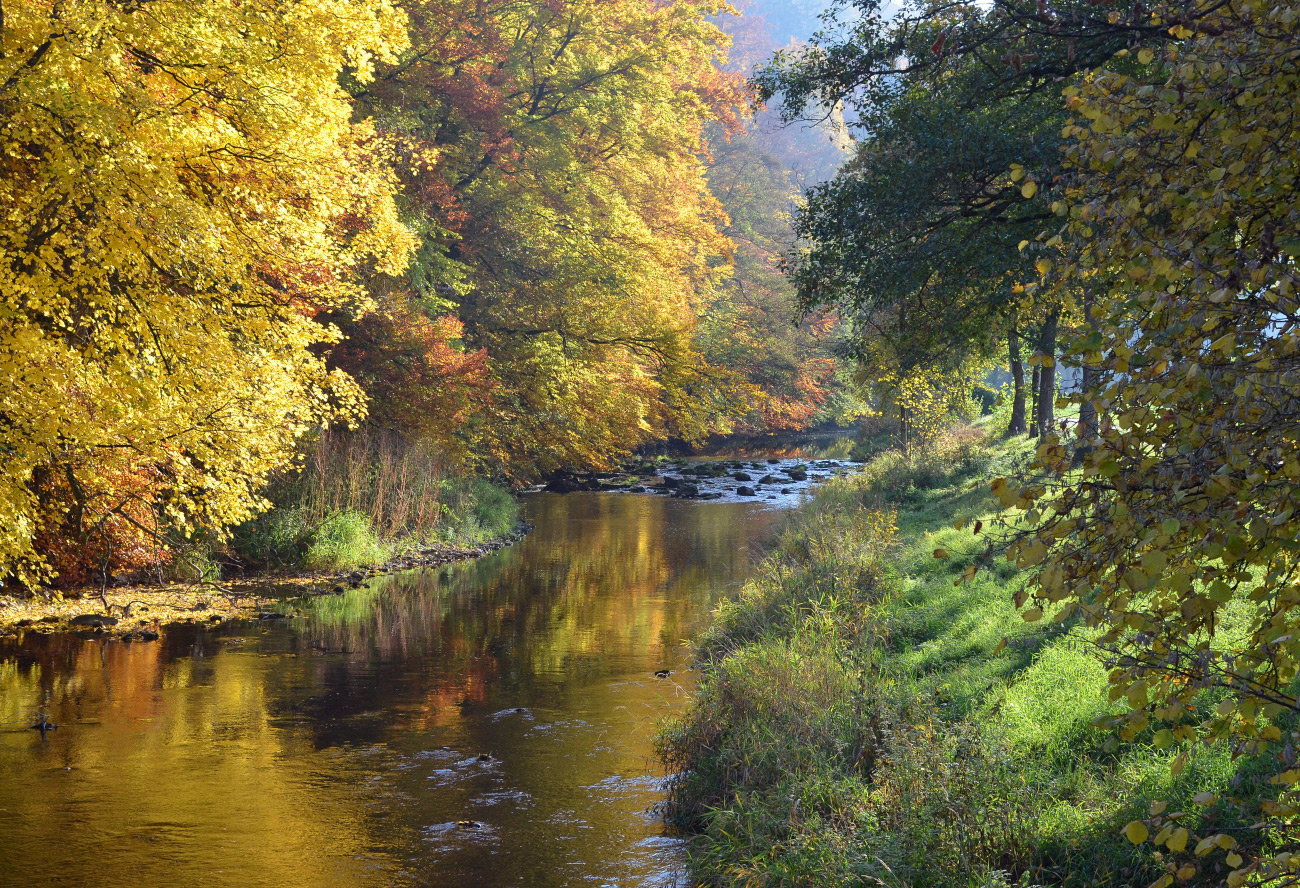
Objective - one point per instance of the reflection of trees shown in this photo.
(157, 738)
(599, 578)
(241, 739)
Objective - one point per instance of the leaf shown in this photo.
(940, 553)
(1178, 841)
(1029, 189)
(1136, 832)
(1145, 56)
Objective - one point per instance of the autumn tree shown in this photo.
(916, 239)
(184, 192)
(567, 222)
(1177, 538)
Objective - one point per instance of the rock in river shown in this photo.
(96, 620)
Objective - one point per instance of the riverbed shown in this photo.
(483, 724)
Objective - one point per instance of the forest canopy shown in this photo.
(498, 230)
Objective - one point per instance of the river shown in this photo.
(485, 724)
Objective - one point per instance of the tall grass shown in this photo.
(861, 720)
(364, 497)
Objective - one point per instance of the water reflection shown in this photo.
(487, 724)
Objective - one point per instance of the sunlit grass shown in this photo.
(863, 720)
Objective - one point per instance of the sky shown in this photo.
(790, 18)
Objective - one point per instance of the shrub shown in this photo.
(345, 540)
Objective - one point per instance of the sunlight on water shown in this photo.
(485, 724)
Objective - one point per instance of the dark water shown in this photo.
(341, 747)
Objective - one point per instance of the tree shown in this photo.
(184, 191)
(915, 240)
(1177, 538)
(567, 221)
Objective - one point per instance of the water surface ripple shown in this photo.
(485, 724)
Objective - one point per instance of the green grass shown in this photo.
(469, 511)
(861, 720)
(345, 541)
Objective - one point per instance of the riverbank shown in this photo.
(861, 720)
(140, 612)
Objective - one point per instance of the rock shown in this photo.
(95, 620)
(22, 624)
(746, 491)
(671, 483)
(663, 673)
(270, 615)
(483, 757)
(636, 488)
(563, 484)
(769, 479)
(797, 475)
(468, 824)
(741, 476)
(785, 490)
(686, 491)
(772, 462)
(148, 635)
(338, 589)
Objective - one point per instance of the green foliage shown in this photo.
(861, 720)
(410, 499)
(345, 540)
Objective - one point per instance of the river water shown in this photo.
(346, 745)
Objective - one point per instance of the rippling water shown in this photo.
(347, 745)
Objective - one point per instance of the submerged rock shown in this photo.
(95, 620)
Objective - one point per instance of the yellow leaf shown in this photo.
(1145, 56)
(1029, 189)
(1137, 832)
(1178, 841)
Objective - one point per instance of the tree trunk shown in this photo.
(1047, 379)
(1018, 424)
(1087, 408)
(1035, 392)
(902, 427)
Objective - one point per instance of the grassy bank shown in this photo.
(364, 500)
(361, 501)
(861, 720)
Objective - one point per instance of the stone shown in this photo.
(746, 491)
(95, 620)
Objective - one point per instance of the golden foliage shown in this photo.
(182, 189)
(1177, 536)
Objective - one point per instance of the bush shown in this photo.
(344, 541)
(405, 495)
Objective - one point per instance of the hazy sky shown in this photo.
(790, 18)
